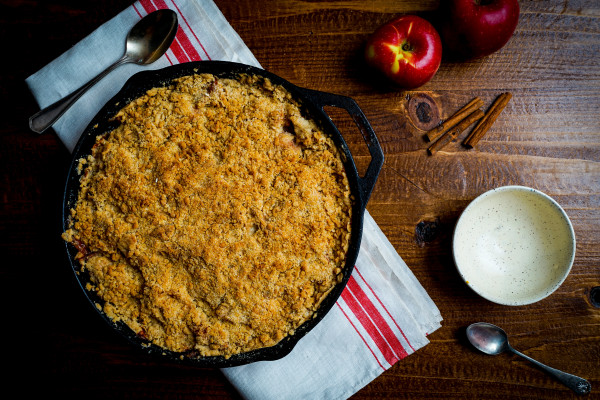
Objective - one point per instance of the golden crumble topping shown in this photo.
(215, 218)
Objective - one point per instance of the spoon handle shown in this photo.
(46, 117)
(575, 383)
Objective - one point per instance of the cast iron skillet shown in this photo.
(312, 102)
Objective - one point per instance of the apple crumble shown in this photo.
(215, 218)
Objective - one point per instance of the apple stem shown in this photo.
(406, 47)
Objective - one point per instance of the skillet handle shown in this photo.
(322, 99)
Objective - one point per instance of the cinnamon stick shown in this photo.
(454, 119)
(454, 132)
(488, 120)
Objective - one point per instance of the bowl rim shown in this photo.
(516, 188)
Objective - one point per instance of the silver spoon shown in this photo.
(147, 41)
(491, 339)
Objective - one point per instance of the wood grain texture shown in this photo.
(548, 137)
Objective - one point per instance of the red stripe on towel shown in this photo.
(182, 37)
(191, 30)
(361, 336)
(377, 318)
(137, 11)
(385, 308)
(369, 327)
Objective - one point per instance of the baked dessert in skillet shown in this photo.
(215, 218)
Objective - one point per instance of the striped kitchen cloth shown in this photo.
(383, 315)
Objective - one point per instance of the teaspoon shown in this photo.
(492, 340)
(146, 42)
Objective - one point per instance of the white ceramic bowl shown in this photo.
(514, 245)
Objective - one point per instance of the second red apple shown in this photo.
(408, 50)
(477, 28)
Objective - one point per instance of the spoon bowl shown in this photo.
(487, 338)
(146, 42)
(491, 339)
(151, 37)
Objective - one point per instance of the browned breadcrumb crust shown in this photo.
(215, 218)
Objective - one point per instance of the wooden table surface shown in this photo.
(548, 138)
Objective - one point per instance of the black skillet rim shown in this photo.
(136, 86)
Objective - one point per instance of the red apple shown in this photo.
(408, 50)
(477, 28)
